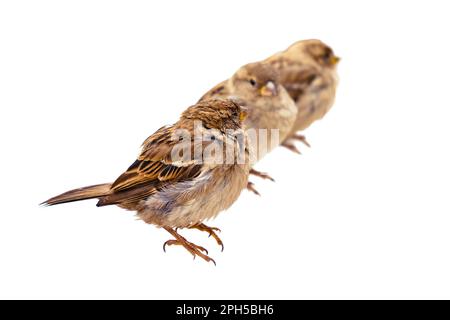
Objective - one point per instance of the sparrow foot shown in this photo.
(211, 230)
(289, 144)
(179, 243)
(260, 174)
(192, 248)
(301, 138)
(251, 187)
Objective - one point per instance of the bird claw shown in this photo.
(301, 138)
(211, 231)
(250, 187)
(260, 174)
(168, 243)
(291, 146)
(192, 248)
(215, 229)
(179, 243)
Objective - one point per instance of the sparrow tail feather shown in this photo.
(85, 193)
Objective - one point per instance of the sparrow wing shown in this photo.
(218, 91)
(153, 170)
(295, 77)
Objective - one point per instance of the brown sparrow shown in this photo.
(271, 111)
(308, 72)
(186, 173)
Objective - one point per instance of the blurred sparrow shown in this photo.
(186, 173)
(271, 111)
(308, 72)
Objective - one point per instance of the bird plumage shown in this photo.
(307, 70)
(173, 190)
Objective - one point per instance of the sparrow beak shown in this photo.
(243, 115)
(269, 89)
(334, 60)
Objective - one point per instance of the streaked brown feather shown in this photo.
(152, 170)
(296, 77)
(85, 193)
(130, 197)
(219, 90)
(144, 187)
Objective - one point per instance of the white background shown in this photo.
(362, 214)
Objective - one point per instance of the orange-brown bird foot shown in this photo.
(289, 144)
(260, 174)
(212, 232)
(192, 248)
(251, 187)
(301, 138)
(179, 243)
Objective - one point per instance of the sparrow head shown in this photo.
(216, 114)
(320, 52)
(256, 80)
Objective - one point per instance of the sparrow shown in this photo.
(307, 70)
(186, 173)
(257, 87)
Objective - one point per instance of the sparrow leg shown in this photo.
(250, 187)
(192, 248)
(211, 231)
(260, 174)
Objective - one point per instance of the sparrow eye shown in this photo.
(327, 56)
(212, 138)
(252, 82)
